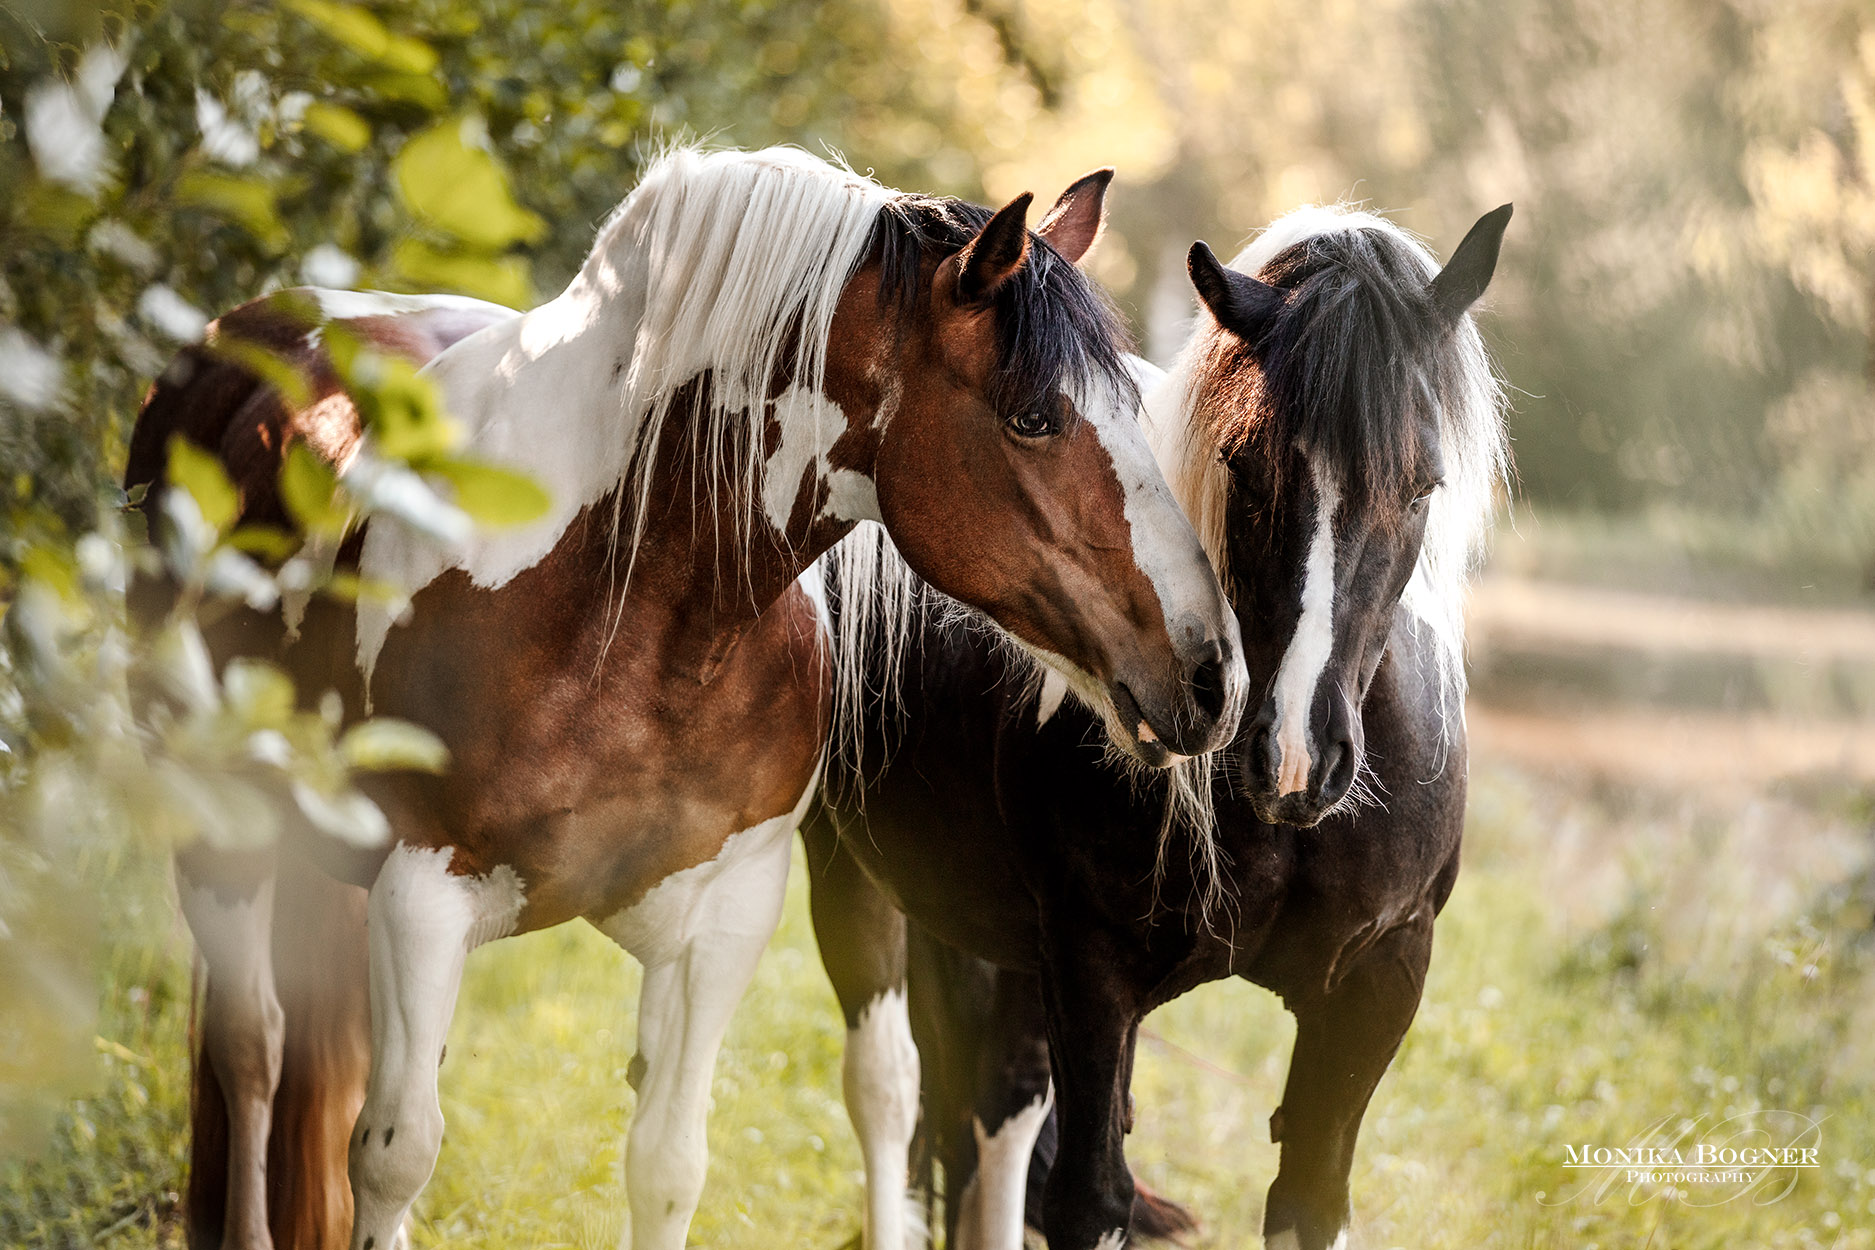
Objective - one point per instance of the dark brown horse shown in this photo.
(1335, 431)
(762, 350)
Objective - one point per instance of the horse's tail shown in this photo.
(1155, 1218)
(321, 970)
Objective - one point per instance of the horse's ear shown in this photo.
(999, 249)
(1074, 222)
(1469, 271)
(1241, 303)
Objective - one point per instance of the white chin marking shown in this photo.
(1054, 690)
(1312, 644)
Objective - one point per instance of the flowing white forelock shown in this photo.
(1471, 431)
(727, 262)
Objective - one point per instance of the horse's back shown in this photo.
(214, 393)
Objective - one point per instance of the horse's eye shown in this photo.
(1425, 496)
(1033, 425)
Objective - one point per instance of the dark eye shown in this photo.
(1033, 425)
(1425, 496)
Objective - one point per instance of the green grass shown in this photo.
(1608, 959)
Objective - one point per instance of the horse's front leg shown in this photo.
(1344, 1041)
(227, 898)
(423, 922)
(862, 939)
(699, 934)
(1014, 1092)
(1093, 1025)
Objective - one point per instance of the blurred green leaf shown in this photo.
(199, 473)
(491, 494)
(310, 490)
(247, 201)
(258, 692)
(384, 744)
(266, 364)
(362, 32)
(502, 280)
(338, 125)
(264, 542)
(459, 187)
(400, 407)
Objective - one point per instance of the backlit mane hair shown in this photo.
(1354, 353)
(742, 258)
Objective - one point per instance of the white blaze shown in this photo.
(1310, 647)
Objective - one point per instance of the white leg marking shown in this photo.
(424, 921)
(699, 933)
(880, 1080)
(998, 1193)
(1313, 643)
(243, 1031)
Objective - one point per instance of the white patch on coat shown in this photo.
(1115, 1240)
(810, 426)
(995, 1201)
(1311, 645)
(880, 1080)
(851, 496)
(692, 901)
(483, 908)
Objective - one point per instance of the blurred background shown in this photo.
(1667, 906)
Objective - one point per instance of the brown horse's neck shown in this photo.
(707, 563)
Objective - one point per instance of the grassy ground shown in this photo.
(1611, 957)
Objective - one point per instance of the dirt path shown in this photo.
(1663, 744)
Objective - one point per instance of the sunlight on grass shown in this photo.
(1690, 976)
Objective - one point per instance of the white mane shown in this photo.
(718, 261)
(1472, 434)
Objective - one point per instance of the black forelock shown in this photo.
(1054, 326)
(1347, 366)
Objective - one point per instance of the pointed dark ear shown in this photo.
(1469, 271)
(999, 249)
(1074, 222)
(1242, 304)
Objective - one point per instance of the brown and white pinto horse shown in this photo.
(761, 350)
